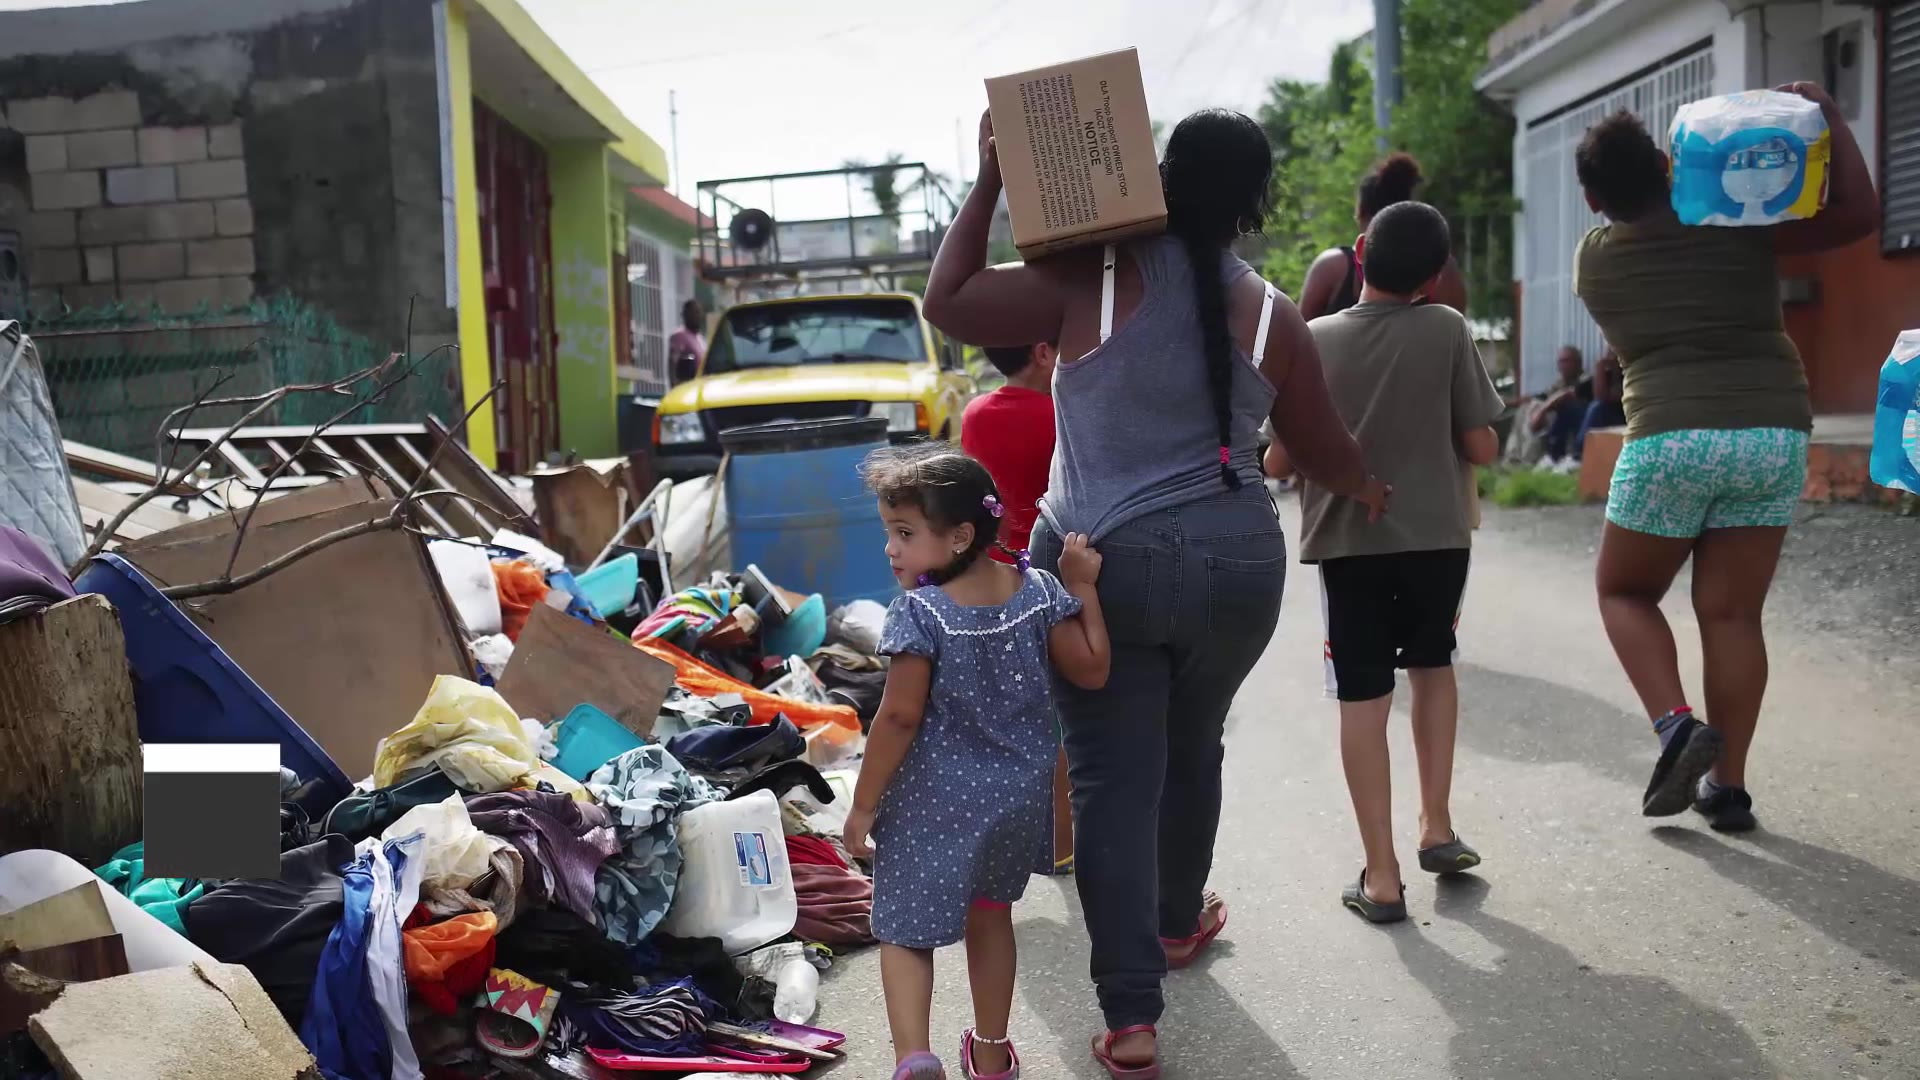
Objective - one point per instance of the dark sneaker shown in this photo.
(1683, 761)
(1356, 899)
(1452, 857)
(1727, 809)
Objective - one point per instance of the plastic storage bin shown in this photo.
(186, 689)
(736, 885)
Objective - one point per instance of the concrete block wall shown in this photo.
(123, 211)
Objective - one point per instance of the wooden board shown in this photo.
(561, 662)
(69, 735)
(79, 914)
(580, 508)
(78, 961)
(99, 504)
(347, 641)
(320, 498)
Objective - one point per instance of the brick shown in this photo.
(224, 141)
(86, 297)
(214, 258)
(99, 263)
(53, 266)
(46, 153)
(45, 116)
(213, 179)
(171, 146)
(49, 228)
(234, 217)
(180, 221)
(236, 291)
(65, 190)
(152, 262)
(142, 184)
(137, 295)
(113, 225)
(182, 296)
(100, 149)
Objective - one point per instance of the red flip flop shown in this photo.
(1189, 948)
(1103, 1053)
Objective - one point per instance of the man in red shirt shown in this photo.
(1010, 431)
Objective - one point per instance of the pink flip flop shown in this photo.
(1183, 951)
(1103, 1053)
(967, 1039)
(920, 1066)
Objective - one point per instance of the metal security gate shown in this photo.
(1900, 163)
(1555, 215)
(659, 283)
(516, 253)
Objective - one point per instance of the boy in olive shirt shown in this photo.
(1407, 379)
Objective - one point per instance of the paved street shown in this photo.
(1594, 942)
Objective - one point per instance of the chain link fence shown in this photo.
(115, 373)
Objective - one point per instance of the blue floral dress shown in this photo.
(969, 815)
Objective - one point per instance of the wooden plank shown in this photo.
(580, 508)
(482, 528)
(401, 483)
(78, 914)
(479, 482)
(561, 662)
(332, 494)
(294, 468)
(78, 961)
(99, 503)
(118, 466)
(68, 733)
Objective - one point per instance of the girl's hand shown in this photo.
(1374, 497)
(857, 834)
(1079, 562)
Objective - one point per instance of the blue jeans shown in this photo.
(1191, 596)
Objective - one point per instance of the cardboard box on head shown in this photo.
(1076, 153)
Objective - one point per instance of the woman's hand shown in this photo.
(857, 835)
(1079, 562)
(989, 154)
(1812, 91)
(1374, 497)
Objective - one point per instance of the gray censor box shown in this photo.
(212, 810)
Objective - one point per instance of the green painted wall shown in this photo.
(583, 297)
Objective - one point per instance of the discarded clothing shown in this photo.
(277, 927)
(447, 962)
(163, 898)
(813, 851)
(663, 957)
(497, 891)
(717, 749)
(667, 1020)
(836, 905)
(645, 791)
(782, 777)
(454, 854)
(28, 574)
(519, 586)
(554, 947)
(361, 815)
(468, 730)
(562, 840)
(706, 681)
(688, 614)
(343, 1026)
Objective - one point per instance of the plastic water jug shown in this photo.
(1758, 157)
(1896, 418)
(736, 885)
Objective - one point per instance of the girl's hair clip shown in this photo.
(1023, 560)
(924, 580)
(993, 506)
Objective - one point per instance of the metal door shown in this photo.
(516, 255)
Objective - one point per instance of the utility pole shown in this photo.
(1386, 64)
(673, 126)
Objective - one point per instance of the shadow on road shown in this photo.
(1540, 722)
(1852, 901)
(1205, 1033)
(1540, 1012)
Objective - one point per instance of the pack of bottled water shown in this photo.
(1758, 157)
(1895, 461)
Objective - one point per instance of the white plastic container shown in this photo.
(736, 885)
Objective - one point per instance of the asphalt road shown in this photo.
(1593, 942)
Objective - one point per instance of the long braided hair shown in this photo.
(1218, 175)
(950, 488)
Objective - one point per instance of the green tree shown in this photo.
(1323, 139)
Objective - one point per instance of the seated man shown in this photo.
(1607, 409)
(1564, 408)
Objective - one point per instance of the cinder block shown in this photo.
(101, 149)
(99, 264)
(152, 262)
(49, 228)
(54, 266)
(236, 291)
(176, 297)
(224, 141)
(141, 184)
(180, 221)
(172, 146)
(213, 179)
(87, 297)
(113, 225)
(215, 258)
(46, 153)
(137, 295)
(65, 190)
(50, 115)
(234, 217)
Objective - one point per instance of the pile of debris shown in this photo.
(543, 809)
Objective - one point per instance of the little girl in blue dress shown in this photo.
(956, 790)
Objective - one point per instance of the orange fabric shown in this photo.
(432, 949)
(520, 587)
(700, 680)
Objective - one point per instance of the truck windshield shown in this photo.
(817, 332)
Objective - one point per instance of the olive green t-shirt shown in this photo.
(1693, 313)
(1408, 381)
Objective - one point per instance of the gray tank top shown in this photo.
(1134, 427)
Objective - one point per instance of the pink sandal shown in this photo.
(920, 1066)
(1103, 1053)
(968, 1038)
(1184, 951)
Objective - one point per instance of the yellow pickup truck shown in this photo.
(811, 358)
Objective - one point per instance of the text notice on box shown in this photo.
(1069, 150)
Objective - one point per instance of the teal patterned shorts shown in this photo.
(1683, 483)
